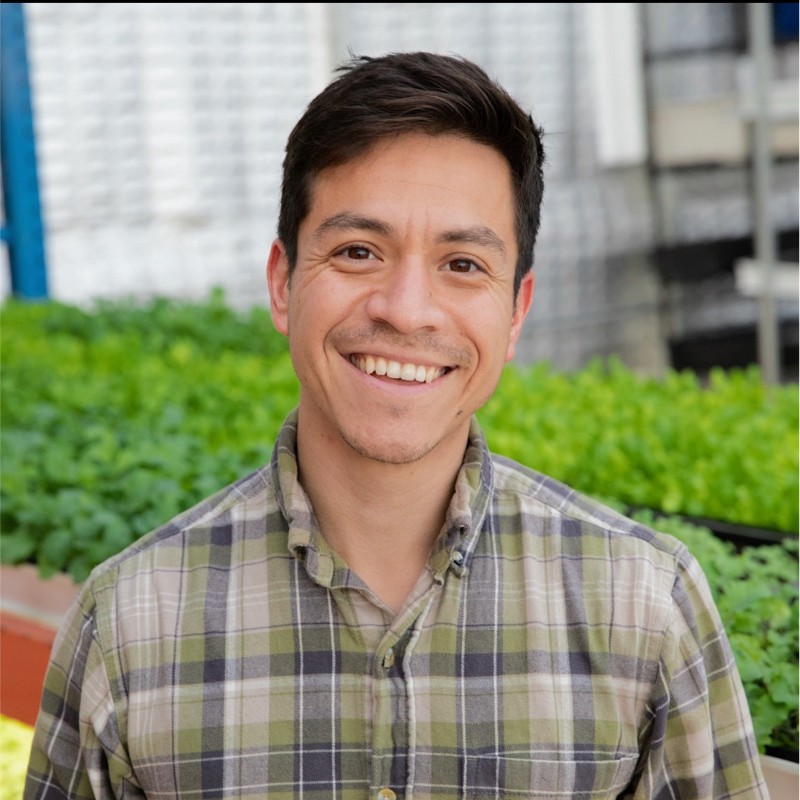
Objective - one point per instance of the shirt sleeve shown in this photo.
(700, 741)
(77, 751)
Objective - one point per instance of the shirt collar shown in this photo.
(453, 548)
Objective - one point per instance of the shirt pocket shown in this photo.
(520, 776)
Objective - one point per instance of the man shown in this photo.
(387, 609)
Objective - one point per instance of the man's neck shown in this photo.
(382, 519)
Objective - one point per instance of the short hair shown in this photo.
(398, 93)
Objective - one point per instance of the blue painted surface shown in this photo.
(785, 21)
(23, 230)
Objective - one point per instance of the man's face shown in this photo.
(400, 311)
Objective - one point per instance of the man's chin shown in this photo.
(389, 451)
(388, 448)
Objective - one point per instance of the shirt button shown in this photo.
(386, 794)
(458, 558)
(388, 663)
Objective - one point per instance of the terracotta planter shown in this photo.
(31, 609)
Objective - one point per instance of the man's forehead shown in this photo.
(462, 190)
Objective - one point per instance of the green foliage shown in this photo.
(726, 451)
(118, 418)
(756, 592)
(115, 421)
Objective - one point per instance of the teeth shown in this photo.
(408, 372)
(394, 369)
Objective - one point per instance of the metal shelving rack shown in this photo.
(764, 112)
(737, 132)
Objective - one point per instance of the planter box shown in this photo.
(783, 778)
(31, 609)
(740, 535)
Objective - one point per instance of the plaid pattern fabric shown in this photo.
(553, 649)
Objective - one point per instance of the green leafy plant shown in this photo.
(756, 592)
(726, 451)
(117, 418)
(110, 428)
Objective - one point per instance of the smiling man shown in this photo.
(401, 312)
(388, 610)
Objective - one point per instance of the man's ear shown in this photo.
(278, 282)
(521, 308)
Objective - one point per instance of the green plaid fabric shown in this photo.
(553, 649)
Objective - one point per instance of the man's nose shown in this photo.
(408, 298)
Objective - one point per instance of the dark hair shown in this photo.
(400, 93)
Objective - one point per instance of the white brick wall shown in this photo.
(160, 130)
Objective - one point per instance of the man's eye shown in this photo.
(355, 252)
(462, 265)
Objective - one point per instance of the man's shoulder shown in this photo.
(215, 520)
(545, 506)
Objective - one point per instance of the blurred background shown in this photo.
(150, 164)
(140, 149)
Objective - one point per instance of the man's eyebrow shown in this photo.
(474, 234)
(345, 221)
(477, 234)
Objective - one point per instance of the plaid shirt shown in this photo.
(552, 649)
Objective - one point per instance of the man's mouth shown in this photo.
(402, 371)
